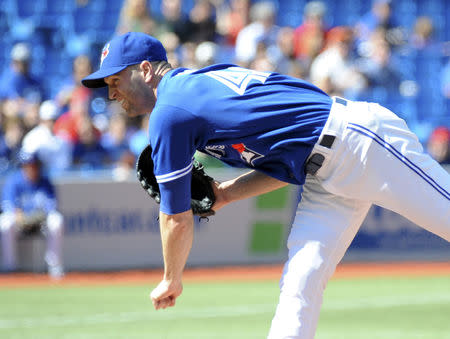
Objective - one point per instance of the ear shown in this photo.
(147, 70)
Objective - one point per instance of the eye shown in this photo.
(112, 82)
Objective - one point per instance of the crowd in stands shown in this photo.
(75, 128)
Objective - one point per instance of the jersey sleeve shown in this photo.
(175, 134)
(9, 195)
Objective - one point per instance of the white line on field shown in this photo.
(124, 317)
(374, 302)
(210, 312)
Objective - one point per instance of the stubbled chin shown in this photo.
(134, 113)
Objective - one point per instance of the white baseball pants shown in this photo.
(375, 159)
(54, 230)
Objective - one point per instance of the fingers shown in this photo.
(164, 303)
(162, 297)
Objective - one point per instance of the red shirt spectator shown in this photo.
(66, 126)
(309, 37)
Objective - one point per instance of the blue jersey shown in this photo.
(264, 121)
(19, 192)
(14, 84)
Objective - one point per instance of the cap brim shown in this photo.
(96, 79)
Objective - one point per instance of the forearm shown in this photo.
(177, 233)
(248, 185)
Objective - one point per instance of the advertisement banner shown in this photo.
(114, 225)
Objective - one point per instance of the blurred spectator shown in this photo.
(422, 35)
(171, 42)
(262, 29)
(114, 140)
(30, 114)
(232, 17)
(205, 54)
(81, 67)
(262, 62)
(66, 125)
(333, 70)
(124, 168)
(174, 60)
(12, 140)
(135, 17)
(380, 14)
(309, 37)
(202, 22)
(439, 145)
(88, 153)
(378, 68)
(17, 83)
(172, 20)
(366, 48)
(187, 55)
(5, 155)
(297, 69)
(54, 152)
(29, 202)
(12, 108)
(282, 54)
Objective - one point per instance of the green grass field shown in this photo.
(397, 308)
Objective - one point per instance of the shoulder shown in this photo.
(166, 116)
(184, 80)
(176, 85)
(37, 133)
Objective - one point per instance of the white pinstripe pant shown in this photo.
(375, 159)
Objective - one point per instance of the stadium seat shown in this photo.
(60, 7)
(58, 14)
(30, 8)
(290, 13)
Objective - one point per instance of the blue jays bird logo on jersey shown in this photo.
(105, 53)
(248, 155)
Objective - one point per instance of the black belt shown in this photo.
(316, 160)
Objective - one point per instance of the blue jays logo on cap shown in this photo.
(105, 53)
(122, 51)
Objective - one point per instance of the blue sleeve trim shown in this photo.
(174, 175)
(176, 195)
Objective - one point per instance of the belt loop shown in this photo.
(314, 163)
(327, 140)
(340, 101)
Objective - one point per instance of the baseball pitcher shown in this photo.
(346, 155)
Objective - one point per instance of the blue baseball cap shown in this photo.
(122, 51)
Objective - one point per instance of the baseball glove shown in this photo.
(202, 194)
(32, 223)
